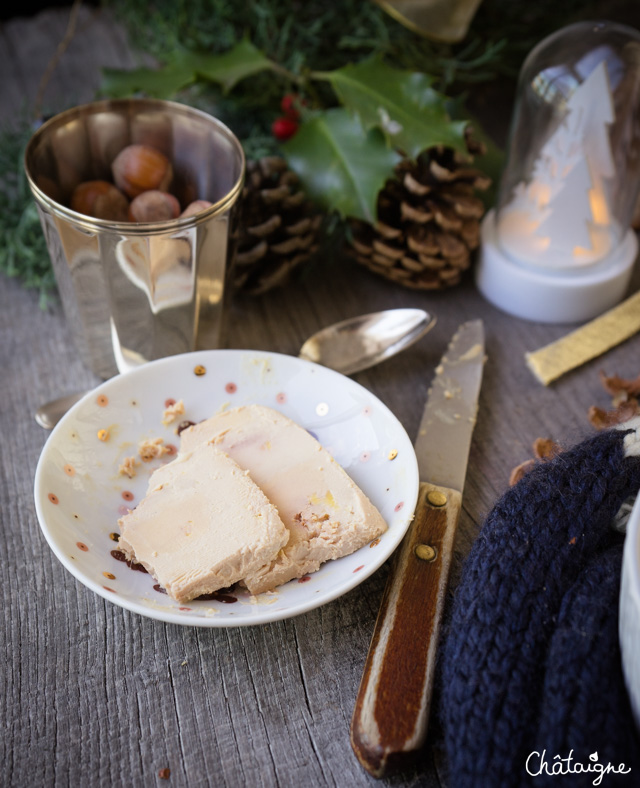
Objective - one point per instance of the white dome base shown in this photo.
(546, 296)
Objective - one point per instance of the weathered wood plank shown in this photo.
(29, 44)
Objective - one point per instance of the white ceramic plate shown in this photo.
(80, 495)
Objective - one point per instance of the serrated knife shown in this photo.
(391, 713)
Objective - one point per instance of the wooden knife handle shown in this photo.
(392, 707)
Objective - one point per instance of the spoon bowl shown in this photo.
(347, 347)
(361, 342)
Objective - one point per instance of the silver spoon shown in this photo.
(348, 347)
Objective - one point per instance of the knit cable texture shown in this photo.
(584, 705)
(513, 601)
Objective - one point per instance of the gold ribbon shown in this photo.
(441, 20)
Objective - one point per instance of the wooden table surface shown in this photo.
(91, 694)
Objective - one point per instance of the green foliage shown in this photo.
(23, 252)
(303, 35)
(183, 68)
(161, 83)
(403, 104)
(311, 46)
(341, 167)
(343, 159)
(315, 34)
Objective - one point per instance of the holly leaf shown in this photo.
(240, 62)
(163, 82)
(185, 67)
(403, 104)
(341, 166)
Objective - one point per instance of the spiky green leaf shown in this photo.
(341, 166)
(403, 104)
(184, 67)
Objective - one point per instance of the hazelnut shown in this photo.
(139, 168)
(154, 206)
(101, 200)
(195, 207)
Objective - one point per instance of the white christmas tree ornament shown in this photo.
(558, 247)
(561, 218)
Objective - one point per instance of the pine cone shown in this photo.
(428, 220)
(278, 227)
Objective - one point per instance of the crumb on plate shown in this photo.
(128, 467)
(172, 412)
(151, 448)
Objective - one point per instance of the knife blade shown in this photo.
(390, 717)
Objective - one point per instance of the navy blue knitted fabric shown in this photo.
(585, 711)
(530, 554)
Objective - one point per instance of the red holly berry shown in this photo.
(284, 128)
(289, 105)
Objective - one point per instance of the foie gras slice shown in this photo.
(327, 514)
(203, 525)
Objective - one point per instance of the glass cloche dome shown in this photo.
(573, 169)
(571, 177)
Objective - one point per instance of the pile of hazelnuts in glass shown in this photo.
(139, 193)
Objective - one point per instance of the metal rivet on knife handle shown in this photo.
(426, 552)
(436, 498)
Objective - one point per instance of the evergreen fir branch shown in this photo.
(313, 34)
(23, 252)
(298, 35)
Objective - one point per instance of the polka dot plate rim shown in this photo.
(80, 494)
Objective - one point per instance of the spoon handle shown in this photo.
(49, 414)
